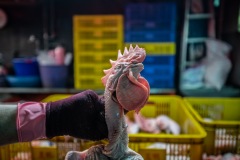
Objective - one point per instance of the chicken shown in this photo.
(125, 89)
(227, 156)
(167, 124)
(147, 124)
(132, 127)
(156, 125)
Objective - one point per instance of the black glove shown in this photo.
(81, 115)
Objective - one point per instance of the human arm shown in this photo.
(8, 131)
(81, 115)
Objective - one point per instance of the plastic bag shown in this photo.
(217, 64)
(193, 77)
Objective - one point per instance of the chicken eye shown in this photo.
(134, 61)
(117, 67)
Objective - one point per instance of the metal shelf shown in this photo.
(38, 90)
(190, 63)
(226, 91)
(162, 91)
(68, 90)
(197, 40)
(186, 39)
(200, 16)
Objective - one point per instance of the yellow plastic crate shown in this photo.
(17, 151)
(97, 21)
(55, 97)
(103, 54)
(96, 58)
(92, 69)
(30, 151)
(89, 76)
(165, 48)
(89, 82)
(49, 153)
(96, 37)
(220, 117)
(188, 144)
(97, 47)
(191, 138)
(152, 153)
(96, 29)
(4, 152)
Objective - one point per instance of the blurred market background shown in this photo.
(180, 40)
(50, 49)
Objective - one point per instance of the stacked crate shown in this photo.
(153, 27)
(96, 40)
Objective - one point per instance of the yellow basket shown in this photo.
(30, 151)
(220, 117)
(19, 151)
(188, 144)
(56, 97)
(165, 48)
(45, 152)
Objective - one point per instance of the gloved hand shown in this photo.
(81, 115)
